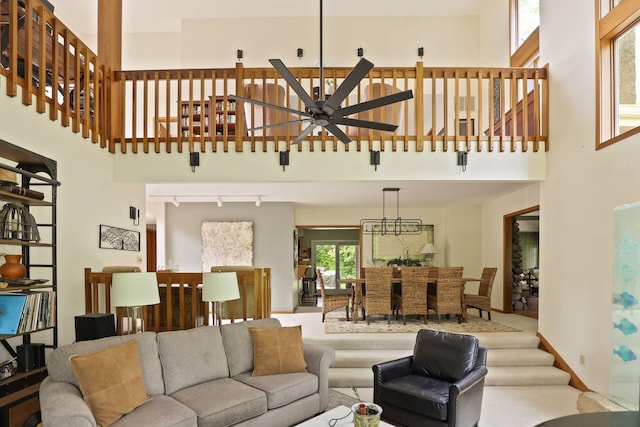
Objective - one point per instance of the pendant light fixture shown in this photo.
(395, 226)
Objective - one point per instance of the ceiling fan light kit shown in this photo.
(328, 113)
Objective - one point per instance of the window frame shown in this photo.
(526, 52)
(611, 23)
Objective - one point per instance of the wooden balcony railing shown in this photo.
(189, 110)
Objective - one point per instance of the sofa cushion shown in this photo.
(223, 402)
(191, 357)
(238, 345)
(163, 410)
(277, 350)
(110, 381)
(284, 388)
(59, 367)
(444, 355)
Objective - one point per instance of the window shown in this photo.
(618, 100)
(336, 260)
(525, 40)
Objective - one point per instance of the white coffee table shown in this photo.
(337, 412)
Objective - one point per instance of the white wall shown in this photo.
(272, 241)
(577, 199)
(87, 198)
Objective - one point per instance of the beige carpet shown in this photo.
(336, 323)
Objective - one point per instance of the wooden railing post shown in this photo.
(240, 123)
(418, 96)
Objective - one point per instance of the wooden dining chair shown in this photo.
(482, 301)
(445, 296)
(413, 297)
(332, 302)
(377, 298)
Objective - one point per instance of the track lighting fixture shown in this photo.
(175, 202)
(219, 201)
(258, 201)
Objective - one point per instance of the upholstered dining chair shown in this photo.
(377, 298)
(413, 297)
(445, 296)
(441, 384)
(482, 301)
(332, 302)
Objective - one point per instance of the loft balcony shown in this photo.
(153, 111)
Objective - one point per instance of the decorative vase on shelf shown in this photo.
(366, 414)
(12, 269)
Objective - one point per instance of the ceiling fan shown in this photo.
(328, 113)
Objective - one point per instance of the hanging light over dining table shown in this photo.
(395, 226)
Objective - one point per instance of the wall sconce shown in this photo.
(420, 52)
(134, 214)
(300, 52)
(219, 201)
(258, 201)
(360, 52)
(239, 54)
(194, 160)
(375, 159)
(175, 202)
(284, 159)
(462, 160)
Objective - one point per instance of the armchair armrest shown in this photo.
(62, 405)
(465, 395)
(389, 370)
(318, 360)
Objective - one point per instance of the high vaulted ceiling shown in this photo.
(141, 16)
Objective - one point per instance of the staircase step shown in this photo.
(519, 357)
(507, 340)
(347, 377)
(366, 358)
(532, 375)
(365, 341)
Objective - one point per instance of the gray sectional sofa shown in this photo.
(195, 377)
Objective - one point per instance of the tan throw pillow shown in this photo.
(277, 350)
(110, 381)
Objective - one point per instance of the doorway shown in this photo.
(335, 260)
(521, 266)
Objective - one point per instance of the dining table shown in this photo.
(357, 286)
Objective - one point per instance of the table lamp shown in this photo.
(428, 249)
(218, 287)
(133, 291)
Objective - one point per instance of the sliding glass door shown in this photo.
(335, 259)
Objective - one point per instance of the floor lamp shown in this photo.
(133, 291)
(218, 287)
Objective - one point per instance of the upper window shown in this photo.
(618, 99)
(525, 22)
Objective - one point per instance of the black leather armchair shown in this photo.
(441, 384)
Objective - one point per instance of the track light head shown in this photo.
(219, 201)
(175, 202)
(258, 201)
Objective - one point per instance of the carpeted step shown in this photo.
(365, 341)
(519, 357)
(366, 358)
(508, 340)
(347, 377)
(532, 375)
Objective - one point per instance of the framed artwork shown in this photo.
(226, 243)
(389, 246)
(119, 238)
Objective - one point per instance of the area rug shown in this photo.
(336, 323)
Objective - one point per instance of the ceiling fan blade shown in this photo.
(338, 133)
(376, 103)
(273, 125)
(366, 124)
(267, 105)
(350, 82)
(305, 132)
(295, 85)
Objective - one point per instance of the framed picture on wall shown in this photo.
(119, 238)
(466, 127)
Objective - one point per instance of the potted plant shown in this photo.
(365, 414)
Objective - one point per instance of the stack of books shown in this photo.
(22, 312)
